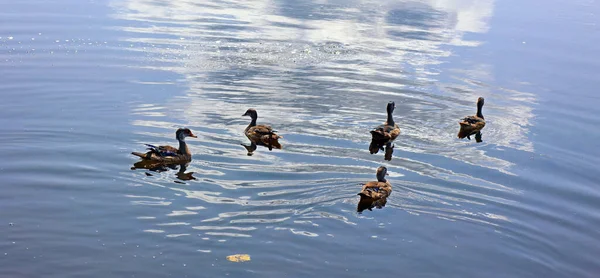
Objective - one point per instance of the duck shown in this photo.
(471, 125)
(261, 134)
(168, 154)
(386, 133)
(375, 193)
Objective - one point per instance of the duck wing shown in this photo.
(472, 120)
(385, 132)
(261, 130)
(394, 131)
(470, 125)
(376, 190)
(373, 194)
(159, 153)
(264, 135)
(163, 151)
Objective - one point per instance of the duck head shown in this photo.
(381, 173)
(390, 107)
(181, 133)
(252, 113)
(480, 102)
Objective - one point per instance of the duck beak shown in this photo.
(387, 174)
(193, 136)
(245, 114)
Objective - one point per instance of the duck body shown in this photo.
(261, 134)
(471, 125)
(168, 154)
(386, 133)
(382, 135)
(375, 193)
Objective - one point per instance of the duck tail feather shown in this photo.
(142, 155)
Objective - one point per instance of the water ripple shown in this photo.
(322, 77)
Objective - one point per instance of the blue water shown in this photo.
(84, 83)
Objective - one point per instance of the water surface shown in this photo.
(86, 83)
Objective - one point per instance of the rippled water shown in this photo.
(86, 83)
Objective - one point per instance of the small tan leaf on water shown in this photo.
(238, 258)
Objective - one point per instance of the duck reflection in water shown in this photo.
(260, 135)
(478, 136)
(250, 148)
(161, 167)
(375, 146)
(472, 125)
(374, 193)
(383, 135)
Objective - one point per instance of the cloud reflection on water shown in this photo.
(323, 71)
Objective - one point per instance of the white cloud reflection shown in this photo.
(235, 54)
(325, 69)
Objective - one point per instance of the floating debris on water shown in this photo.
(238, 258)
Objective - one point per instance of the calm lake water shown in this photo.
(84, 83)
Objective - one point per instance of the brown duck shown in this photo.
(375, 193)
(472, 124)
(385, 134)
(261, 134)
(168, 154)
